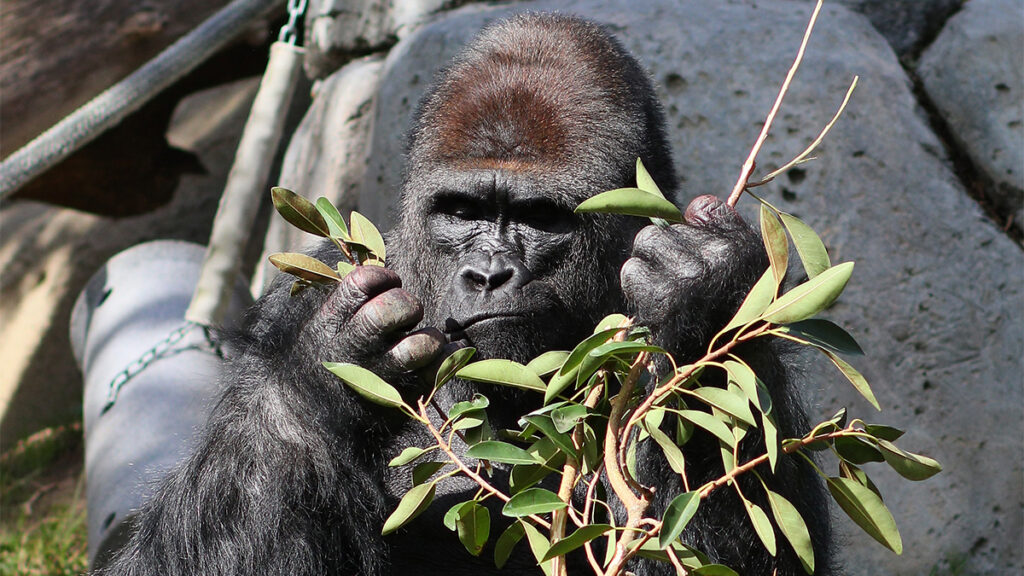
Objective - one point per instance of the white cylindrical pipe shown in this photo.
(130, 306)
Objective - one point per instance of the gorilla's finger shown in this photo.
(389, 312)
(360, 285)
(710, 210)
(418, 349)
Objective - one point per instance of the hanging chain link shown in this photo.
(163, 348)
(289, 32)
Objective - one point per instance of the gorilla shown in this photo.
(537, 114)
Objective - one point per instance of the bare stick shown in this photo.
(802, 157)
(748, 166)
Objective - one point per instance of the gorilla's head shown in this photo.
(537, 114)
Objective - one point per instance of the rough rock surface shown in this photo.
(907, 24)
(337, 29)
(47, 255)
(937, 293)
(974, 74)
(327, 154)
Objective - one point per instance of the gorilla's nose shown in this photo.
(491, 273)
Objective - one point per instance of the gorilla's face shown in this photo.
(505, 261)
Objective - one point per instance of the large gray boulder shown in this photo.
(974, 74)
(937, 293)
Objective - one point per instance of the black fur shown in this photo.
(539, 113)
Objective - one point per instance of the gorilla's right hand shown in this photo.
(373, 315)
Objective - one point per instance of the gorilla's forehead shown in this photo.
(505, 182)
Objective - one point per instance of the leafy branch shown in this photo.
(604, 399)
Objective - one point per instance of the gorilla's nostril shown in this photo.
(496, 279)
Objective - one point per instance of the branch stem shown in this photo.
(748, 165)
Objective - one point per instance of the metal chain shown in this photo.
(158, 351)
(289, 32)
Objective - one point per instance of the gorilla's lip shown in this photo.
(453, 326)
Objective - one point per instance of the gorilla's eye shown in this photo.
(546, 216)
(457, 207)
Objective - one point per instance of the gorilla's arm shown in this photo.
(286, 477)
(685, 282)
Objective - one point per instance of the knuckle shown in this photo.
(394, 309)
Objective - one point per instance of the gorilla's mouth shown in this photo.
(453, 327)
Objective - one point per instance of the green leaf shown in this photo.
(580, 352)
(677, 515)
(756, 302)
(575, 540)
(559, 382)
(449, 517)
(524, 477)
(854, 377)
(673, 454)
(808, 246)
(566, 417)
(538, 545)
(883, 432)
(709, 423)
(479, 402)
(299, 212)
(771, 440)
(504, 452)
(866, 509)
(424, 470)
(910, 466)
(546, 425)
(793, 527)
(408, 455)
(506, 542)
(503, 373)
(364, 232)
(366, 384)
(857, 451)
(452, 364)
(847, 470)
(811, 297)
(775, 243)
(762, 525)
(644, 180)
(532, 501)
(714, 570)
(469, 420)
(632, 202)
(824, 334)
(726, 401)
(474, 525)
(625, 349)
(305, 267)
(412, 505)
(610, 321)
(548, 362)
(344, 268)
(335, 224)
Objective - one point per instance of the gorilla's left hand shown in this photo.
(688, 279)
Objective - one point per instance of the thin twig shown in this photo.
(748, 165)
(467, 470)
(802, 157)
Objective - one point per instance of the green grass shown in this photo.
(42, 505)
